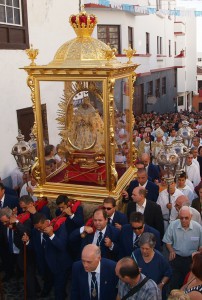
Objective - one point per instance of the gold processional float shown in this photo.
(89, 97)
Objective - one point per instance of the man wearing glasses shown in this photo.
(182, 238)
(115, 218)
(130, 234)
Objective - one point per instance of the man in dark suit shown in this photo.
(93, 277)
(101, 234)
(21, 225)
(115, 218)
(54, 241)
(142, 180)
(7, 199)
(75, 218)
(151, 210)
(11, 201)
(130, 234)
(153, 171)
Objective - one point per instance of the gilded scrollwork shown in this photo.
(31, 85)
(36, 171)
(113, 175)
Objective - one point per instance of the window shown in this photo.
(157, 88)
(13, 24)
(147, 43)
(175, 77)
(181, 100)
(109, 34)
(159, 45)
(163, 85)
(130, 36)
(25, 117)
(169, 47)
(150, 89)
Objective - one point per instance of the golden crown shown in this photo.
(83, 24)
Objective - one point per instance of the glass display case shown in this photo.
(89, 96)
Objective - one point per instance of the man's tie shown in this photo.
(44, 239)
(10, 240)
(94, 286)
(99, 240)
(0, 204)
(109, 220)
(135, 243)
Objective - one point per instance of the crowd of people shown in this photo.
(151, 249)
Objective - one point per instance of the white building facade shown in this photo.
(47, 24)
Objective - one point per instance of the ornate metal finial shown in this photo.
(22, 153)
(83, 24)
(110, 54)
(129, 53)
(32, 54)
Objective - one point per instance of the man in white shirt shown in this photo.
(192, 170)
(184, 188)
(28, 188)
(166, 200)
(194, 151)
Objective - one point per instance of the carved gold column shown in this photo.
(113, 172)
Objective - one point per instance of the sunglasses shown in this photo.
(107, 208)
(137, 228)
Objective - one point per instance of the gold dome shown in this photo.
(83, 51)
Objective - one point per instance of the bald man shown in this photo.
(183, 237)
(93, 277)
(129, 277)
(184, 201)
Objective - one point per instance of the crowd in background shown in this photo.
(151, 249)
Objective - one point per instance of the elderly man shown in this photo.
(151, 211)
(132, 284)
(93, 277)
(184, 201)
(142, 180)
(21, 226)
(182, 238)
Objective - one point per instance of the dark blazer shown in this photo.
(196, 204)
(46, 211)
(111, 232)
(119, 218)
(152, 215)
(11, 201)
(152, 190)
(76, 222)
(55, 250)
(126, 239)
(108, 281)
(10, 191)
(153, 172)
